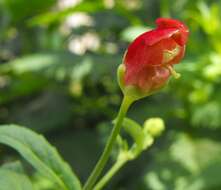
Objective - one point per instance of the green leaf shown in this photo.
(29, 74)
(130, 33)
(208, 178)
(13, 166)
(207, 115)
(51, 17)
(61, 65)
(18, 10)
(189, 163)
(40, 154)
(11, 180)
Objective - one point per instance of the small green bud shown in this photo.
(154, 126)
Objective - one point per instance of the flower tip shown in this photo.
(171, 23)
(181, 36)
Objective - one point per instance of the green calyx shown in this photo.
(129, 90)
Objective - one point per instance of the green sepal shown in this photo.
(131, 91)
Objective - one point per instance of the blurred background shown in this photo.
(58, 61)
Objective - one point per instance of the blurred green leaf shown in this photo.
(190, 163)
(207, 115)
(28, 8)
(61, 65)
(39, 153)
(11, 180)
(209, 17)
(51, 17)
(42, 114)
(130, 33)
(212, 71)
(15, 166)
(29, 74)
(18, 86)
(208, 178)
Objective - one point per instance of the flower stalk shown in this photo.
(126, 102)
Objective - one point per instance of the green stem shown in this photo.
(127, 101)
(110, 174)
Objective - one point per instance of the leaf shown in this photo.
(208, 178)
(40, 154)
(207, 115)
(18, 10)
(15, 166)
(11, 180)
(188, 163)
(51, 17)
(45, 116)
(30, 73)
(21, 85)
(130, 33)
(62, 65)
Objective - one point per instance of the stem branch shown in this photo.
(110, 174)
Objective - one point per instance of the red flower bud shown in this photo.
(150, 57)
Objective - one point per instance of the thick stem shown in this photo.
(115, 168)
(127, 101)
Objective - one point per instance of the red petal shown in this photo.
(154, 36)
(181, 36)
(149, 79)
(163, 23)
(140, 55)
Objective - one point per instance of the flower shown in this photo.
(149, 59)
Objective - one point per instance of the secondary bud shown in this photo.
(154, 126)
